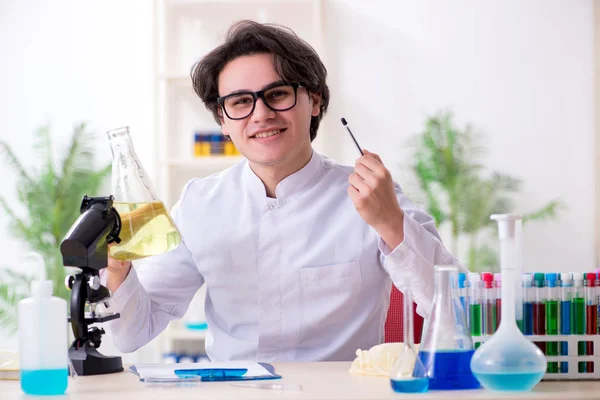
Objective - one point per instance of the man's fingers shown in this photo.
(370, 177)
(370, 161)
(355, 180)
(375, 155)
(353, 192)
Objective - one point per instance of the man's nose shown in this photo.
(261, 111)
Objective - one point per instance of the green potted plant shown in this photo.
(461, 192)
(51, 196)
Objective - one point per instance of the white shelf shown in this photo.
(205, 163)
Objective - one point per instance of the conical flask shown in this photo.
(146, 226)
(408, 375)
(508, 361)
(447, 348)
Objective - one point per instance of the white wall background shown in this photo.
(68, 61)
(522, 72)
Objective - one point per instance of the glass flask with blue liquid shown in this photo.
(447, 348)
(408, 374)
(508, 361)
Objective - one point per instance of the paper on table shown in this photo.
(168, 370)
(9, 365)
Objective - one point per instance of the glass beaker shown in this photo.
(146, 226)
(447, 348)
(408, 375)
(508, 361)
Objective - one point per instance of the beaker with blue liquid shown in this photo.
(447, 347)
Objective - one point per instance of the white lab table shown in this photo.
(320, 380)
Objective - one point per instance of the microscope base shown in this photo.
(88, 361)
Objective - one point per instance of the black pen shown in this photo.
(352, 136)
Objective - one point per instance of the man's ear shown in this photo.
(316, 104)
(224, 130)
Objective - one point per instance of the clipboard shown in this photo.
(207, 373)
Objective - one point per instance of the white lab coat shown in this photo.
(298, 277)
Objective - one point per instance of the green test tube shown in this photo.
(578, 316)
(552, 316)
(475, 303)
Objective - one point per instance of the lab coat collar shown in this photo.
(290, 185)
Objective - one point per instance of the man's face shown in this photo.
(267, 137)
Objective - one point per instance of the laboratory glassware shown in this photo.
(508, 361)
(408, 375)
(146, 226)
(447, 347)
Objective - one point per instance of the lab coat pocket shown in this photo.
(329, 294)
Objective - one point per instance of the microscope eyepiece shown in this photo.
(86, 243)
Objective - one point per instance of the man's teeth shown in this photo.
(267, 134)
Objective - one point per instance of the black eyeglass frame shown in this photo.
(260, 95)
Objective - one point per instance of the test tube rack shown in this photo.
(572, 359)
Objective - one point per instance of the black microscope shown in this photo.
(85, 246)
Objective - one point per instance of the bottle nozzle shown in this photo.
(40, 286)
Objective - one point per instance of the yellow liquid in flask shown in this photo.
(146, 230)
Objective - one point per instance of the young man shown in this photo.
(298, 253)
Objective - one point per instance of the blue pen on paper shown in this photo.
(352, 136)
(214, 374)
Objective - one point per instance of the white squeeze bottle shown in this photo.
(43, 339)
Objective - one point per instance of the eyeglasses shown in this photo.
(240, 105)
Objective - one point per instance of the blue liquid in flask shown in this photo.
(44, 381)
(449, 370)
(510, 382)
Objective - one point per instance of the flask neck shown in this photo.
(446, 327)
(120, 143)
(407, 318)
(443, 283)
(510, 280)
(130, 182)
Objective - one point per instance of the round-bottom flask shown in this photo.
(508, 361)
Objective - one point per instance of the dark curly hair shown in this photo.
(295, 61)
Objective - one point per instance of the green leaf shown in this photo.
(51, 196)
(546, 212)
(13, 287)
(13, 162)
(483, 259)
(458, 188)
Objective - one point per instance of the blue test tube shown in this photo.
(566, 287)
(462, 293)
(528, 297)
